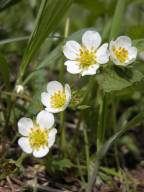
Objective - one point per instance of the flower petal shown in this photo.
(102, 54)
(123, 41)
(132, 55)
(54, 86)
(51, 137)
(25, 145)
(91, 70)
(53, 110)
(68, 95)
(41, 152)
(72, 50)
(132, 52)
(72, 67)
(24, 126)
(91, 39)
(111, 46)
(45, 99)
(45, 119)
(112, 54)
(68, 98)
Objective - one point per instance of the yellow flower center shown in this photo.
(87, 57)
(121, 53)
(38, 137)
(58, 99)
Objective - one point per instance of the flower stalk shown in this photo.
(62, 115)
(62, 134)
(86, 151)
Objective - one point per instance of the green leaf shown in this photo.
(116, 78)
(4, 70)
(49, 16)
(51, 58)
(38, 85)
(139, 44)
(62, 164)
(117, 18)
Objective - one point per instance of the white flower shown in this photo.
(57, 97)
(121, 51)
(86, 58)
(19, 89)
(37, 137)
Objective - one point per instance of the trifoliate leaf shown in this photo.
(117, 78)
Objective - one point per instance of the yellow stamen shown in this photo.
(58, 99)
(38, 137)
(87, 57)
(121, 53)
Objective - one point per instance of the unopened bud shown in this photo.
(19, 89)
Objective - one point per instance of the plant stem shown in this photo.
(116, 154)
(66, 32)
(116, 24)
(62, 136)
(102, 122)
(35, 189)
(80, 172)
(67, 24)
(21, 158)
(13, 40)
(86, 150)
(88, 91)
(12, 142)
(75, 137)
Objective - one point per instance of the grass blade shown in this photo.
(104, 149)
(117, 18)
(49, 15)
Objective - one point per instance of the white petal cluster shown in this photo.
(19, 89)
(122, 52)
(57, 97)
(86, 58)
(37, 137)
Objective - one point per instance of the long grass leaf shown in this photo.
(117, 18)
(104, 149)
(49, 16)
